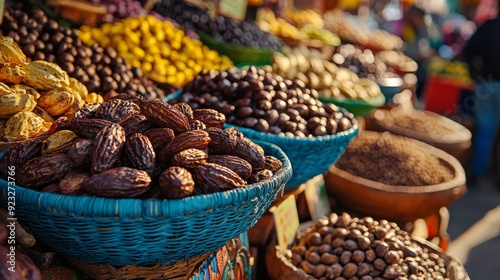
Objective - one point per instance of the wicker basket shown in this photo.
(309, 156)
(145, 232)
(397, 203)
(280, 268)
(80, 12)
(359, 108)
(179, 271)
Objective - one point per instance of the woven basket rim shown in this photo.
(135, 208)
(268, 137)
(457, 181)
(461, 133)
(376, 101)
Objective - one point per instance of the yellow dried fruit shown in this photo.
(12, 73)
(59, 142)
(13, 103)
(20, 88)
(43, 114)
(24, 125)
(94, 98)
(5, 89)
(77, 104)
(78, 87)
(56, 101)
(2, 127)
(44, 75)
(10, 51)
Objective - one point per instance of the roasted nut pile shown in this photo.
(33, 93)
(225, 29)
(164, 53)
(266, 102)
(139, 148)
(345, 247)
(322, 75)
(414, 120)
(99, 69)
(392, 160)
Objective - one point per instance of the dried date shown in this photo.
(221, 141)
(72, 182)
(79, 154)
(165, 115)
(190, 158)
(140, 153)
(193, 139)
(159, 137)
(210, 117)
(43, 170)
(118, 182)
(135, 124)
(185, 109)
(87, 111)
(251, 152)
(272, 163)
(88, 128)
(115, 110)
(19, 154)
(236, 164)
(176, 182)
(108, 145)
(211, 178)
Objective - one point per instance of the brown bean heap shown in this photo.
(415, 120)
(100, 70)
(392, 160)
(345, 247)
(266, 102)
(139, 148)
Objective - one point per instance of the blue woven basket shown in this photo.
(309, 156)
(145, 232)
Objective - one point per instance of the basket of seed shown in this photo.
(394, 177)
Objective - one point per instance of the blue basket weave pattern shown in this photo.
(309, 156)
(145, 232)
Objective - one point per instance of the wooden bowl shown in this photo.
(396, 203)
(280, 268)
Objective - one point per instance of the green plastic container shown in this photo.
(359, 108)
(238, 54)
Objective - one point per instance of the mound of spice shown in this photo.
(393, 160)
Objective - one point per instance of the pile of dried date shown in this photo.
(129, 147)
(344, 247)
(266, 102)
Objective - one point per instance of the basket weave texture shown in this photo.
(309, 156)
(145, 232)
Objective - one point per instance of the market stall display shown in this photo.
(111, 175)
(344, 246)
(164, 53)
(399, 178)
(267, 107)
(120, 9)
(99, 69)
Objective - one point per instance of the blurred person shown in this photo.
(482, 53)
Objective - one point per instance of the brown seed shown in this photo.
(313, 257)
(329, 259)
(350, 270)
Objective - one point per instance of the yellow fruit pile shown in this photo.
(33, 94)
(164, 53)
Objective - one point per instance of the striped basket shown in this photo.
(144, 232)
